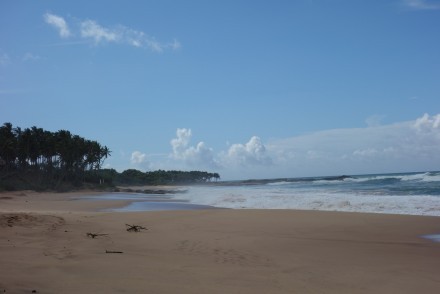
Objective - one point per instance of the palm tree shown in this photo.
(104, 154)
(8, 145)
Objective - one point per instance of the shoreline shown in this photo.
(45, 246)
(89, 201)
(77, 200)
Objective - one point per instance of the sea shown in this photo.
(416, 193)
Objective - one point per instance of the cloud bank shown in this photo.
(400, 147)
(91, 30)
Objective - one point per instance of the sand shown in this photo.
(44, 248)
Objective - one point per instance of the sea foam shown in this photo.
(414, 194)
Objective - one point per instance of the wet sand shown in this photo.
(44, 247)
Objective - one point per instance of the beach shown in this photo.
(61, 243)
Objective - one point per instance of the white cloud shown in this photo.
(427, 123)
(59, 23)
(405, 146)
(140, 160)
(422, 4)
(399, 147)
(200, 155)
(251, 153)
(180, 143)
(123, 35)
(248, 156)
(91, 29)
(138, 157)
(140, 39)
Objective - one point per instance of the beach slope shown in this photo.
(51, 244)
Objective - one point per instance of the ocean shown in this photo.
(400, 193)
(415, 193)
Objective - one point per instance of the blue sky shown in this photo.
(249, 89)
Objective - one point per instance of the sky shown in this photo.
(248, 89)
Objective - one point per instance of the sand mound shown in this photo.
(27, 220)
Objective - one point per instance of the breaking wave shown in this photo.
(410, 193)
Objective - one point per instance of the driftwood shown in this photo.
(93, 235)
(111, 251)
(134, 228)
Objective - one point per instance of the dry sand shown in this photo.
(44, 248)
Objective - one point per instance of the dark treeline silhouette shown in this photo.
(162, 177)
(134, 177)
(37, 159)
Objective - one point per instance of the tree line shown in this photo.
(162, 177)
(34, 158)
(49, 158)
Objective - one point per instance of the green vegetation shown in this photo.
(37, 159)
(42, 160)
(161, 177)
